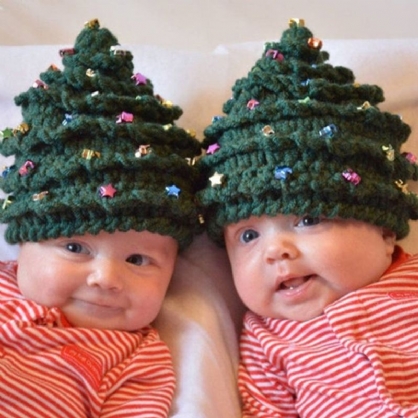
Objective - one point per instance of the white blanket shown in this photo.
(200, 318)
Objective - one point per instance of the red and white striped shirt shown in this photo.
(50, 369)
(358, 359)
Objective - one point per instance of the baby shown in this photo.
(100, 199)
(308, 191)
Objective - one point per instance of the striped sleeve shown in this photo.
(263, 387)
(147, 387)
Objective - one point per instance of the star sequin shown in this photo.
(88, 154)
(212, 148)
(252, 104)
(216, 179)
(107, 190)
(26, 168)
(410, 157)
(22, 128)
(351, 176)
(328, 131)
(267, 130)
(366, 105)
(172, 190)
(40, 84)
(5, 133)
(390, 152)
(297, 22)
(139, 79)
(275, 54)
(125, 117)
(66, 51)
(7, 202)
(403, 186)
(282, 172)
(143, 150)
(39, 196)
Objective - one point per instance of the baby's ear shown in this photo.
(390, 238)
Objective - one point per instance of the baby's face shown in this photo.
(108, 281)
(293, 267)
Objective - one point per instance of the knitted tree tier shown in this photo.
(300, 137)
(97, 150)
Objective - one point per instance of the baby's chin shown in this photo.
(298, 313)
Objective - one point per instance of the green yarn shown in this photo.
(72, 143)
(333, 151)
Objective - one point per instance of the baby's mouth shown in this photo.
(294, 283)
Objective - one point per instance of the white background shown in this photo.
(203, 24)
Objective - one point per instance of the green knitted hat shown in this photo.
(97, 151)
(300, 137)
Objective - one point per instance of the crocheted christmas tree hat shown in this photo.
(300, 137)
(97, 150)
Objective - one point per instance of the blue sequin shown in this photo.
(328, 131)
(282, 172)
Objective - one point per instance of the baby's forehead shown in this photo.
(118, 239)
(296, 220)
(126, 239)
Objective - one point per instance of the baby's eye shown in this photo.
(248, 235)
(138, 260)
(308, 221)
(75, 247)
